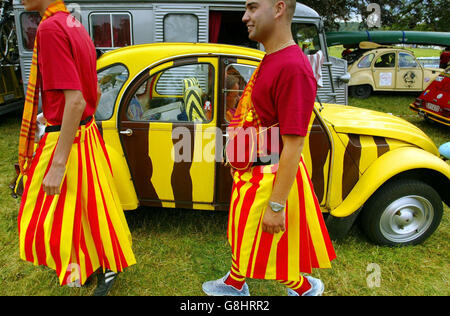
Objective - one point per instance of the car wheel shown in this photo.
(403, 212)
(361, 91)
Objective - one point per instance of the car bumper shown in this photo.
(12, 106)
(432, 116)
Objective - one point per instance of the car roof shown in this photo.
(142, 56)
(384, 49)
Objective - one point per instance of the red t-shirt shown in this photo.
(67, 61)
(445, 57)
(285, 91)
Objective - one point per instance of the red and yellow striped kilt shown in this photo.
(83, 228)
(304, 245)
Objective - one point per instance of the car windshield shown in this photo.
(307, 37)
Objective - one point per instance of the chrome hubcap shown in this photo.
(406, 218)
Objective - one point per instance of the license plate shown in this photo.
(433, 107)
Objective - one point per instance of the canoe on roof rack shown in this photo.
(352, 39)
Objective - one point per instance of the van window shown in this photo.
(29, 23)
(307, 36)
(111, 81)
(110, 30)
(178, 94)
(181, 28)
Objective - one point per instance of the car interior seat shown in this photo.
(192, 97)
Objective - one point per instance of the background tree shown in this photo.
(424, 15)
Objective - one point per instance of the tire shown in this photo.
(361, 91)
(402, 212)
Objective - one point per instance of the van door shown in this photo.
(167, 128)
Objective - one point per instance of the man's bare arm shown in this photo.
(73, 111)
(287, 170)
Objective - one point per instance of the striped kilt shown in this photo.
(82, 229)
(304, 245)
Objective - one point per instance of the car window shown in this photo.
(236, 78)
(406, 61)
(178, 94)
(385, 61)
(366, 61)
(111, 81)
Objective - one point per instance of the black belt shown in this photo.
(57, 128)
(266, 160)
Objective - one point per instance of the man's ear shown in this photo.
(280, 8)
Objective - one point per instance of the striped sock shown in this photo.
(298, 286)
(235, 279)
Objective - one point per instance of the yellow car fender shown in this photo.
(361, 78)
(384, 168)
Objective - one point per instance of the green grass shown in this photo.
(177, 250)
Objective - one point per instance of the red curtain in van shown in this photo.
(215, 19)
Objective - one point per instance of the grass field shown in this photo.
(177, 250)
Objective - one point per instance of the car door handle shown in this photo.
(127, 132)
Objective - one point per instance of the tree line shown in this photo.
(420, 15)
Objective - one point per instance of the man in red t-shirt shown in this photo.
(445, 58)
(70, 218)
(276, 229)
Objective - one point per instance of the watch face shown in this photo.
(276, 207)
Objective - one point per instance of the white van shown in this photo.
(113, 24)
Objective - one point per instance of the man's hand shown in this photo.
(52, 181)
(274, 222)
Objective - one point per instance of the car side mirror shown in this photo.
(345, 78)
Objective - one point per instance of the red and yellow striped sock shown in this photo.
(298, 286)
(235, 279)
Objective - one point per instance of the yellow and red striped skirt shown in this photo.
(84, 227)
(284, 256)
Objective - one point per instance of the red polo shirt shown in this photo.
(66, 61)
(285, 91)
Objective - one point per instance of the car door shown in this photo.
(234, 75)
(167, 125)
(317, 152)
(384, 71)
(410, 73)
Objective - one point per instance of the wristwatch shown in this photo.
(276, 207)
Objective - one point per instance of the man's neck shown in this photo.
(45, 5)
(278, 45)
(278, 40)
